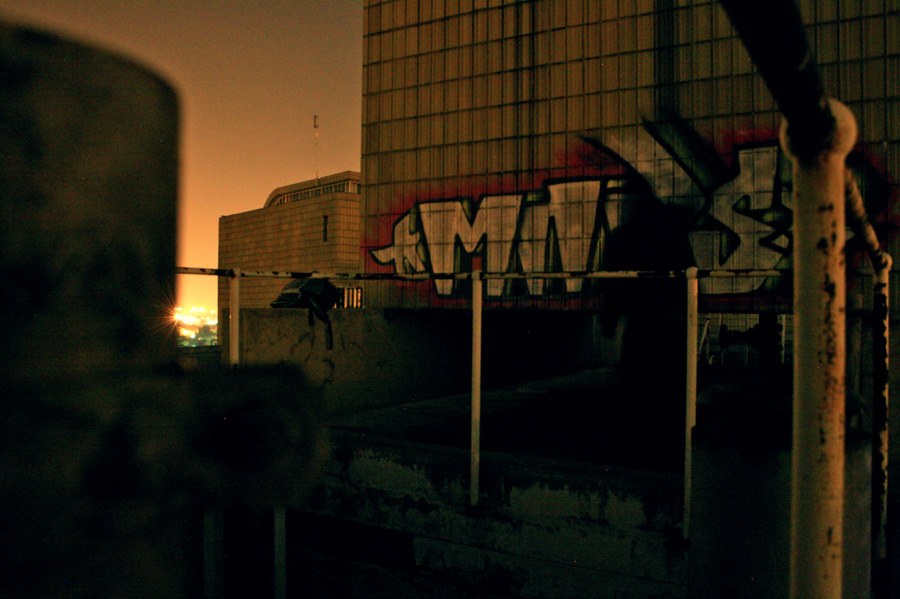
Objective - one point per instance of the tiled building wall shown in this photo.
(289, 237)
(478, 115)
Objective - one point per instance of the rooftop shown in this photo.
(346, 182)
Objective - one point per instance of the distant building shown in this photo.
(303, 227)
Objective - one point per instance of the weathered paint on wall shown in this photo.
(545, 528)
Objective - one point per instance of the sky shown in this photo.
(250, 77)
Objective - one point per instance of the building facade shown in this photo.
(303, 227)
(520, 135)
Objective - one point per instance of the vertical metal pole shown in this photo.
(213, 575)
(477, 298)
(234, 318)
(690, 413)
(881, 361)
(212, 554)
(280, 554)
(817, 489)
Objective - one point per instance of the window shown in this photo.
(351, 298)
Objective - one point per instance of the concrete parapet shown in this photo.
(545, 528)
(741, 500)
(389, 357)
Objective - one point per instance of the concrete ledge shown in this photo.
(544, 527)
(391, 357)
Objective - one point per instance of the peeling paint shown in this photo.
(380, 472)
(543, 502)
(625, 511)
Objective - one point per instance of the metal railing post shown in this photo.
(213, 574)
(690, 416)
(280, 559)
(818, 134)
(818, 458)
(475, 457)
(881, 263)
(213, 549)
(234, 318)
(880, 402)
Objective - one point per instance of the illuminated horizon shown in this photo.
(295, 58)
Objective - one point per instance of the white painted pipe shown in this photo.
(280, 531)
(475, 453)
(817, 488)
(690, 413)
(212, 542)
(234, 318)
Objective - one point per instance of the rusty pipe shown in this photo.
(880, 403)
(819, 359)
(817, 134)
(858, 220)
(773, 33)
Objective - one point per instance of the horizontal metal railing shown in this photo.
(592, 274)
(691, 277)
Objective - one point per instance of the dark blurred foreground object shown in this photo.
(774, 35)
(104, 480)
(109, 455)
(318, 295)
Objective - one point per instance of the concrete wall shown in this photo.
(543, 529)
(387, 357)
(546, 528)
(203, 356)
(741, 496)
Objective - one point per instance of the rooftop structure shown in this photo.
(303, 227)
(345, 182)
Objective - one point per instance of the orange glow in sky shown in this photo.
(250, 76)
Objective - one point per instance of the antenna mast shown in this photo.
(316, 146)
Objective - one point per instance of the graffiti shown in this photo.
(739, 214)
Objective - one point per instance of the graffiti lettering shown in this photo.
(741, 215)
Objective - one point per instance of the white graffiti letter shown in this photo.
(569, 217)
(449, 231)
(403, 253)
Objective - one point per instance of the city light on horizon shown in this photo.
(195, 315)
(196, 325)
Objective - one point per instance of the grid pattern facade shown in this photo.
(547, 102)
(319, 233)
